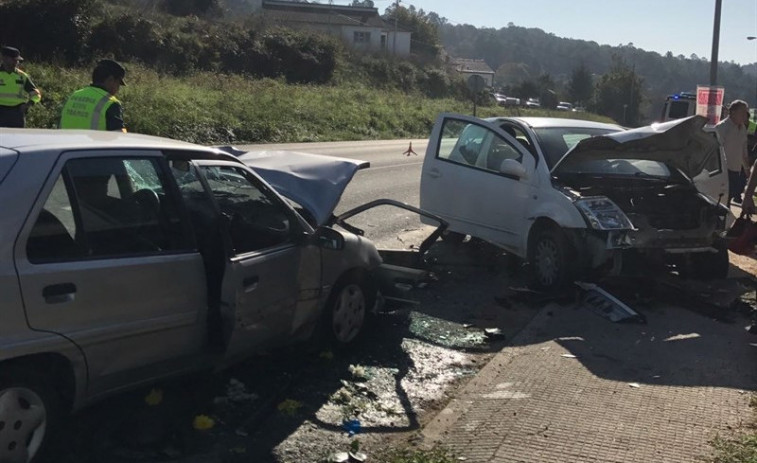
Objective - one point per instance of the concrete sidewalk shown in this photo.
(574, 387)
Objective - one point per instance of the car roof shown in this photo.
(546, 122)
(41, 139)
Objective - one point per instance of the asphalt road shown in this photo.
(392, 175)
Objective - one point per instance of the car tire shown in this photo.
(452, 237)
(30, 414)
(708, 265)
(348, 310)
(550, 261)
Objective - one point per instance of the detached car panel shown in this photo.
(572, 196)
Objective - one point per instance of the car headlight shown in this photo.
(603, 214)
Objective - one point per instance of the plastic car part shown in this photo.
(605, 304)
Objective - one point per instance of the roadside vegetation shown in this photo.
(741, 448)
(197, 77)
(418, 456)
(208, 107)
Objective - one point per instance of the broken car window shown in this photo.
(257, 219)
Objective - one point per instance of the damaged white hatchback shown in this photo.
(575, 197)
(126, 258)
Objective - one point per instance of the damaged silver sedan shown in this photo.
(127, 258)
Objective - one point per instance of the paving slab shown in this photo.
(574, 387)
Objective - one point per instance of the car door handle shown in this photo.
(60, 293)
(250, 283)
(434, 173)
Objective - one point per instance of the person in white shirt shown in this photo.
(732, 131)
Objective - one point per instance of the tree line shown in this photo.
(528, 60)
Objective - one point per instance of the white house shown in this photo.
(360, 27)
(468, 67)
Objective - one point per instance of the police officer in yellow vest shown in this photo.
(96, 107)
(17, 91)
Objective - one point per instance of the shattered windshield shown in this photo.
(556, 141)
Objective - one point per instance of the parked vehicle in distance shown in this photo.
(533, 103)
(575, 197)
(564, 106)
(678, 106)
(512, 101)
(127, 258)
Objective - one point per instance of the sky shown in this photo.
(683, 27)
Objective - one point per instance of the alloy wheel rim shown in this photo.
(349, 313)
(23, 421)
(547, 261)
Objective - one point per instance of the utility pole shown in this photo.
(394, 38)
(751, 37)
(715, 45)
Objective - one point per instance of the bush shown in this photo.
(46, 30)
(192, 7)
(127, 37)
(300, 57)
(436, 83)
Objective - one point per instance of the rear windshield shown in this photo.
(556, 141)
(679, 109)
(7, 159)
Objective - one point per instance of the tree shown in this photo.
(618, 93)
(363, 3)
(509, 74)
(425, 35)
(581, 85)
(48, 29)
(547, 93)
(193, 7)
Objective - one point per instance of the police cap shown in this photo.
(112, 68)
(11, 52)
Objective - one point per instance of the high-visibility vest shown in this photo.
(86, 109)
(12, 91)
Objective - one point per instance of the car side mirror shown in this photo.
(513, 168)
(328, 238)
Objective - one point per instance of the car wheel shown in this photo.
(549, 259)
(452, 237)
(29, 415)
(708, 265)
(348, 309)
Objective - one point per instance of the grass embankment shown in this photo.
(739, 449)
(216, 108)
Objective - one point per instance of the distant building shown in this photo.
(468, 67)
(360, 27)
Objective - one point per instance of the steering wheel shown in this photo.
(148, 203)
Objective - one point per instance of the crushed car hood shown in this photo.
(314, 181)
(680, 143)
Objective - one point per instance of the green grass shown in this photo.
(741, 448)
(216, 108)
(417, 456)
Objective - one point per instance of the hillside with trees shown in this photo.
(218, 54)
(528, 57)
